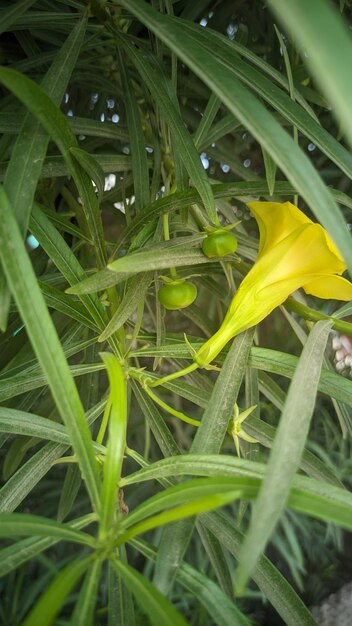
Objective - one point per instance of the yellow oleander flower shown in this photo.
(293, 252)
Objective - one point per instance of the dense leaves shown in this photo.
(134, 134)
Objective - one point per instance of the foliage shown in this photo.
(134, 134)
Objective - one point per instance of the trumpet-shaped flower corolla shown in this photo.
(293, 252)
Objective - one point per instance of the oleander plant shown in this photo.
(175, 311)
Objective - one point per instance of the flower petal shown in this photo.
(276, 220)
(334, 287)
(301, 255)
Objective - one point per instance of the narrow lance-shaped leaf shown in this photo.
(116, 442)
(208, 440)
(286, 452)
(152, 602)
(55, 595)
(59, 130)
(179, 200)
(198, 505)
(157, 258)
(16, 524)
(46, 344)
(65, 260)
(219, 605)
(269, 580)
(224, 51)
(27, 549)
(9, 15)
(205, 123)
(186, 493)
(135, 294)
(24, 168)
(243, 104)
(157, 84)
(136, 139)
(33, 470)
(270, 171)
(91, 166)
(316, 27)
(83, 613)
(273, 361)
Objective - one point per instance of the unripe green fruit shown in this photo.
(177, 295)
(219, 243)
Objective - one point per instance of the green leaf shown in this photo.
(59, 301)
(221, 79)
(21, 423)
(56, 166)
(208, 440)
(286, 452)
(307, 123)
(219, 606)
(46, 344)
(316, 29)
(218, 560)
(69, 492)
(90, 165)
(83, 614)
(269, 580)
(246, 190)
(99, 281)
(136, 139)
(270, 171)
(121, 607)
(274, 361)
(65, 260)
(24, 550)
(116, 442)
(285, 364)
(154, 78)
(63, 224)
(28, 475)
(56, 125)
(211, 432)
(196, 506)
(151, 601)
(9, 15)
(157, 258)
(24, 168)
(205, 123)
(316, 498)
(186, 493)
(31, 472)
(155, 421)
(20, 383)
(135, 293)
(310, 463)
(12, 524)
(51, 601)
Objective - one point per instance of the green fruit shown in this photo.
(177, 295)
(219, 243)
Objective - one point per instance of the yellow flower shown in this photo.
(235, 427)
(293, 252)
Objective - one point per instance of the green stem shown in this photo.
(310, 314)
(166, 379)
(167, 238)
(169, 409)
(104, 422)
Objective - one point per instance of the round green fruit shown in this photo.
(219, 243)
(177, 294)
